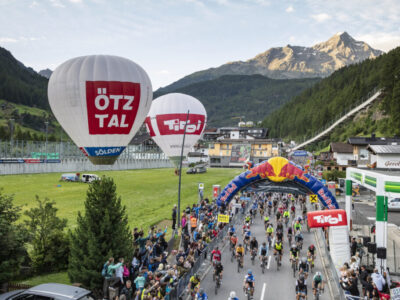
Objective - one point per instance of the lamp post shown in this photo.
(180, 172)
(11, 135)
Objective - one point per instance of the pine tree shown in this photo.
(12, 239)
(102, 232)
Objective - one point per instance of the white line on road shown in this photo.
(263, 291)
(269, 261)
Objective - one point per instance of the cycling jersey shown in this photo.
(248, 219)
(234, 240)
(297, 226)
(263, 250)
(311, 251)
(266, 219)
(194, 281)
(269, 204)
(317, 279)
(286, 214)
(239, 250)
(216, 255)
(301, 286)
(270, 229)
(278, 246)
(249, 279)
(303, 266)
(253, 244)
(279, 235)
(201, 297)
(294, 252)
(219, 269)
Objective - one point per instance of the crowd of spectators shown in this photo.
(358, 281)
(152, 272)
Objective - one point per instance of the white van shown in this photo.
(88, 178)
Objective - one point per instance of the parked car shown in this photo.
(70, 177)
(49, 291)
(394, 204)
(191, 171)
(88, 178)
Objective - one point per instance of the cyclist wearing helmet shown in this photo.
(233, 241)
(231, 230)
(311, 250)
(218, 269)
(294, 252)
(216, 255)
(194, 282)
(317, 282)
(301, 287)
(201, 295)
(263, 251)
(297, 226)
(303, 266)
(240, 253)
(249, 282)
(232, 296)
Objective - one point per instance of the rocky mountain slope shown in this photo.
(289, 62)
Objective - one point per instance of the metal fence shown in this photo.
(62, 150)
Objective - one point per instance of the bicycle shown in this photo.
(290, 237)
(253, 255)
(278, 259)
(233, 254)
(217, 283)
(248, 292)
(318, 292)
(269, 211)
(269, 238)
(310, 259)
(239, 263)
(263, 259)
(294, 266)
(286, 221)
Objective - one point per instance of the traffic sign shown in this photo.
(223, 218)
(313, 198)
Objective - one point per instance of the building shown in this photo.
(360, 152)
(384, 156)
(342, 153)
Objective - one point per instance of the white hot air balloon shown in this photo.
(101, 101)
(166, 123)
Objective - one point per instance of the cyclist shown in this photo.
(317, 282)
(294, 253)
(240, 253)
(261, 208)
(303, 266)
(279, 234)
(233, 241)
(278, 215)
(298, 238)
(216, 256)
(279, 226)
(270, 231)
(231, 230)
(246, 227)
(247, 236)
(194, 283)
(293, 209)
(297, 226)
(263, 251)
(232, 296)
(290, 234)
(269, 207)
(266, 222)
(249, 282)
(201, 295)
(311, 253)
(247, 220)
(218, 270)
(253, 246)
(301, 288)
(286, 216)
(278, 248)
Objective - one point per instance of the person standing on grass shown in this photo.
(174, 217)
(108, 273)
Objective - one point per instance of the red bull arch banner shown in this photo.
(278, 169)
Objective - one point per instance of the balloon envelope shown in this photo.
(101, 101)
(166, 123)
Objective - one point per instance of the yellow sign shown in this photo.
(313, 198)
(223, 218)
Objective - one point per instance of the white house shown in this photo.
(342, 153)
(385, 156)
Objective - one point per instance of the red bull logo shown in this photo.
(277, 169)
(228, 192)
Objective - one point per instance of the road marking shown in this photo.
(263, 291)
(269, 259)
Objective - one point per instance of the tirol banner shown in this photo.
(327, 218)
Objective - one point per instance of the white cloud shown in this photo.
(33, 4)
(381, 40)
(289, 9)
(57, 3)
(75, 1)
(262, 2)
(7, 40)
(163, 72)
(322, 17)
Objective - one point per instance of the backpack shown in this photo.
(104, 270)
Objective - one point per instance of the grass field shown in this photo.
(147, 194)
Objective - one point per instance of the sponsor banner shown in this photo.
(103, 151)
(33, 160)
(11, 161)
(327, 218)
(111, 106)
(223, 218)
(170, 124)
(216, 191)
(53, 161)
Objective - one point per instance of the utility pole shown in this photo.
(180, 172)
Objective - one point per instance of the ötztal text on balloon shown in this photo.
(111, 106)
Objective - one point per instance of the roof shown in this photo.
(384, 149)
(341, 148)
(240, 141)
(373, 140)
(59, 291)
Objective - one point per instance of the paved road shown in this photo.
(271, 285)
(368, 210)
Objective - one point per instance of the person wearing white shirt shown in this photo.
(378, 280)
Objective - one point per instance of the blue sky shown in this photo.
(173, 38)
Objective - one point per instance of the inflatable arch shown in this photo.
(278, 169)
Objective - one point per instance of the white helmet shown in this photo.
(232, 295)
(318, 273)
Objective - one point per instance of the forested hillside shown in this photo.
(252, 96)
(317, 106)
